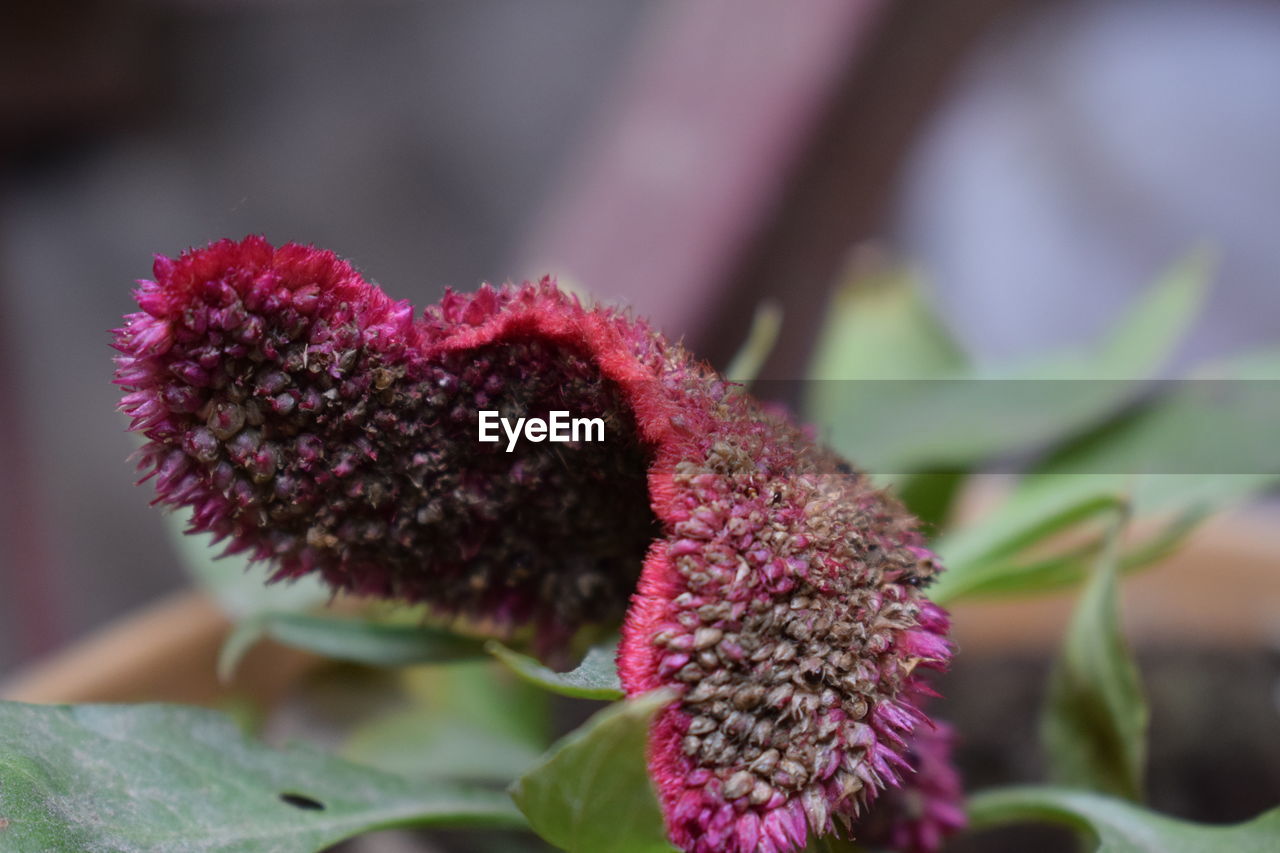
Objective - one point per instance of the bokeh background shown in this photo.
(1040, 161)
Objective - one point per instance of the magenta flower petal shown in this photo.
(928, 807)
(313, 422)
(784, 606)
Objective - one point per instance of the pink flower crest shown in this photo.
(310, 420)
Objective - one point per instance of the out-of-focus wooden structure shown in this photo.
(750, 145)
(167, 652)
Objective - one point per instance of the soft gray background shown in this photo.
(412, 138)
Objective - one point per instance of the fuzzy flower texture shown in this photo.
(312, 421)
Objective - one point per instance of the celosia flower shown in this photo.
(926, 808)
(314, 422)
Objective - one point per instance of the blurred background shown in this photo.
(1040, 161)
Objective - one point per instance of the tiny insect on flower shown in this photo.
(310, 420)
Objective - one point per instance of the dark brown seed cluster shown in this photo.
(326, 453)
(553, 532)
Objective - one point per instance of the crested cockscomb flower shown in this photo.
(312, 421)
(926, 808)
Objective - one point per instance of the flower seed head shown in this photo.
(310, 420)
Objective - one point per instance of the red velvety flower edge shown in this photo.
(292, 265)
(542, 311)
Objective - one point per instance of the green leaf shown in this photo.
(471, 720)
(138, 779)
(930, 496)
(1203, 447)
(880, 326)
(1207, 444)
(881, 336)
(765, 325)
(240, 586)
(354, 640)
(1144, 338)
(977, 554)
(1120, 827)
(958, 417)
(595, 678)
(243, 637)
(420, 745)
(1094, 726)
(592, 793)
(486, 694)
(987, 557)
(1019, 576)
(880, 339)
(1217, 435)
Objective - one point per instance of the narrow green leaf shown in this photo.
(1224, 448)
(354, 640)
(1144, 338)
(1205, 445)
(930, 496)
(1120, 827)
(486, 694)
(765, 325)
(592, 793)
(1035, 512)
(371, 643)
(420, 745)
(986, 558)
(138, 779)
(956, 418)
(243, 637)
(1022, 577)
(880, 338)
(469, 720)
(1094, 726)
(881, 326)
(595, 678)
(1153, 328)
